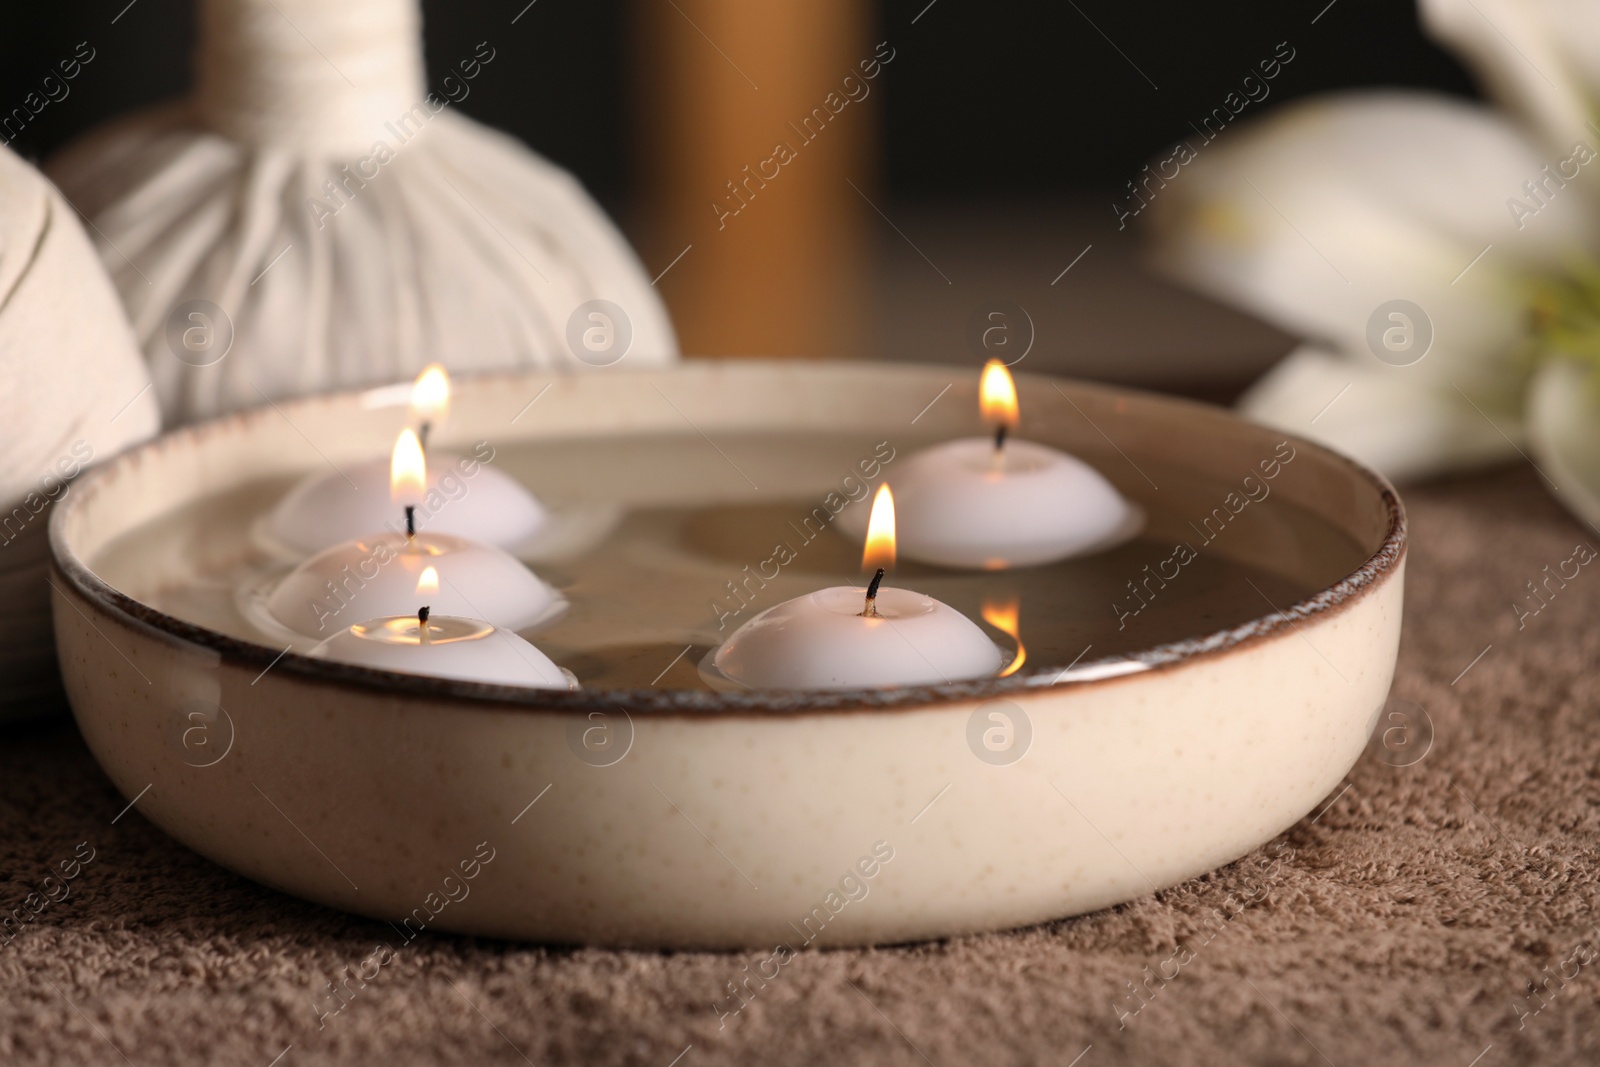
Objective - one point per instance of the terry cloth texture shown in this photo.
(1399, 923)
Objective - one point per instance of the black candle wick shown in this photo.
(1000, 437)
(871, 609)
(411, 520)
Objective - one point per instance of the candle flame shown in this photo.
(1003, 616)
(408, 470)
(879, 550)
(997, 395)
(428, 582)
(430, 395)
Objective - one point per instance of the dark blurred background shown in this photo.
(991, 148)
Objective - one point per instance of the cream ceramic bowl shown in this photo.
(684, 817)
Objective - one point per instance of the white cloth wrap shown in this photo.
(448, 243)
(320, 75)
(73, 390)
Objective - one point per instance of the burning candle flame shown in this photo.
(997, 395)
(428, 582)
(879, 550)
(1002, 615)
(408, 470)
(430, 395)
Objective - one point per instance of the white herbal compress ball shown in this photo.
(315, 216)
(73, 391)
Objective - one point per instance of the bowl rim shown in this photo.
(1373, 572)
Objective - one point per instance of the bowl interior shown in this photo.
(691, 499)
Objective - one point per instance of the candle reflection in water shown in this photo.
(1004, 615)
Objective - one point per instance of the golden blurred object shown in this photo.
(752, 139)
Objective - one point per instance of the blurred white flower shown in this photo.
(1437, 256)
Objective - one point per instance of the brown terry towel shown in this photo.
(1400, 923)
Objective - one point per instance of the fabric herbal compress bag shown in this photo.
(73, 391)
(315, 216)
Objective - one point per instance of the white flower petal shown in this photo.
(1326, 210)
(1399, 426)
(1577, 26)
(1536, 57)
(1564, 434)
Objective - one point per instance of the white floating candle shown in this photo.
(385, 574)
(380, 576)
(845, 637)
(460, 495)
(993, 503)
(445, 647)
